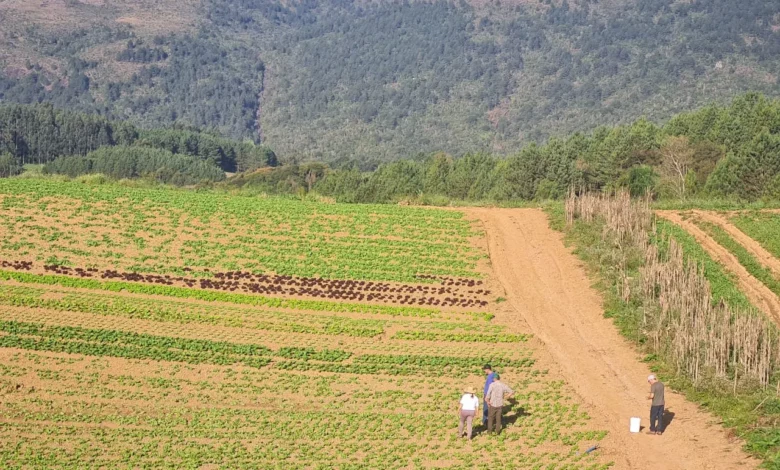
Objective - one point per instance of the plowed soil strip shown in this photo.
(762, 255)
(550, 290)
(758, 293)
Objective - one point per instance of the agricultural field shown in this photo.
(179, 232)
(763, 227)
(172, 329)
(745, 243)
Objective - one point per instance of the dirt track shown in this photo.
(758, 293)
(764, 257)
(549, 291)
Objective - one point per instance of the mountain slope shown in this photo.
(373, 81)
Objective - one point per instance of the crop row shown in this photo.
(18, 265)
(278, 281)
(280, 285)
(218, 422)
(186, 312)
(252, 289)
(461, 337)
(144, 309)
(745, 258)
(298, 450)
(113, 343)
(128, 338)
(230, 297)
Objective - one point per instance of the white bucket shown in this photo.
(635, 425)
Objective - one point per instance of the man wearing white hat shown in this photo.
(656, 396)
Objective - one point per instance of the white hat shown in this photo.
(651, 377)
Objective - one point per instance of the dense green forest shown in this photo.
(341, 80)
(42, 134)
(718, 152)
(136, 162)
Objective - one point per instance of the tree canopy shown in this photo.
(380, 81)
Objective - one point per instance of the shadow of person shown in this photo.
(667, 419)
(510, 415)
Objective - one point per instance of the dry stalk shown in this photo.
(679, 318)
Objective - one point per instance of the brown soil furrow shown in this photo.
(550, 291)
(758, 293)
(764, 257)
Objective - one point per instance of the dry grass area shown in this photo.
(745, 244)
(685, 322)
(146, 17)
(51, 18)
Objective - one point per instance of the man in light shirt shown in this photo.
(495, 396)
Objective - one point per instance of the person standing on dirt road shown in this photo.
(657, 405)
(495, 399)
(488, 370)
(467, 410)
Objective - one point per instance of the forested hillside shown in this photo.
(724, 152)
(337, 79)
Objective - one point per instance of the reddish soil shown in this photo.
(550, 292)
(758, 293)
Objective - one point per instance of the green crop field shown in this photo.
(762, 227)
(173, 329)
(163, 231)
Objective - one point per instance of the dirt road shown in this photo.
(549, 290)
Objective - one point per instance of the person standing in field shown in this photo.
(467, 410)
(488, 370)
(656, 396)
(495, 399)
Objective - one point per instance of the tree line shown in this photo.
(136, 162)
(718, 151)
(728, 151)
(41, 134)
